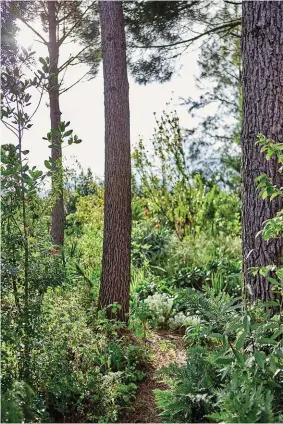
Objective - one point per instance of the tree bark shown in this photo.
(115, 279)
(58, 215)
(262, 53)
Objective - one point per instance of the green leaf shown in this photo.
(264, 194)
(271, 303)
(260, 358)
(56, 132)
(25, 152)
(266, 340)
(224, 360)
(273, 281)
(62, 126)
(42, 60)
(47, 164)
(6, 172)
(277, 333)
(241, 340)
(274, 195)
(240, 357)
(67, 133)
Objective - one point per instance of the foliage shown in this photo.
(19, 403)
(164, 31)
(191, 394)
(149, 245)
(243, 400)
(83, 367)
(220, 275)
(242, 358)
(175, 196)
(161, 307)
(273, 227)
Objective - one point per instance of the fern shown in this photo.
(244, 400)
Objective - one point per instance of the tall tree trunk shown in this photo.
(58, 216)
(115, 279)
(262, 51)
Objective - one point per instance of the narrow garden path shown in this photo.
(165, 348)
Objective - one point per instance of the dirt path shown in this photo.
(165, 348)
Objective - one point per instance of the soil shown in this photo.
(165, 348)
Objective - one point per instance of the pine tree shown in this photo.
(115, 279)
(262, 52)
(62, 21)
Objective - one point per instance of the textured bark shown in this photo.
(262, 51)
(58, 216)
(115, 279)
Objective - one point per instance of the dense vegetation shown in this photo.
(74, 349)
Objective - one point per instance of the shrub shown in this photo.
(84, 365)
(245, 400)
(218, 274)
(19, 404)
(84, 368)
(191, 389)
(150, 245)
(161, 307)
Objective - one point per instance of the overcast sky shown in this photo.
(83, 106)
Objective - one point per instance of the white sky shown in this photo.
(83, 105)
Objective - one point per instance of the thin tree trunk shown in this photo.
(262, 51)
(58, 216)
(115, 279)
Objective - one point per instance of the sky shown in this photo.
(83, 106)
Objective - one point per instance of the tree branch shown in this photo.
(64, 18)
(190, 40)
(7, 125)
(69, 61)
(32, 29)
(35, 110)
(75, 83)
(62, 39)
(233, 2)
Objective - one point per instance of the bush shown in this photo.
(191, 389)
(150, 245)
(245, 400)
(199, 251)
(219, 274)
(84, 368)
(19, 404)
(84, 365)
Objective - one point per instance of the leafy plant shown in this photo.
(191, 389)
(244, 400)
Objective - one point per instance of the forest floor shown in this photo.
(164, 348)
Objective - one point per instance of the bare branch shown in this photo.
(10, 128)
(71, 86)
(233, 2)
(33, 30)
(69, 61)
(41, 94)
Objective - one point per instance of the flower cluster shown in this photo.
(181, 320)
(161, 306)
